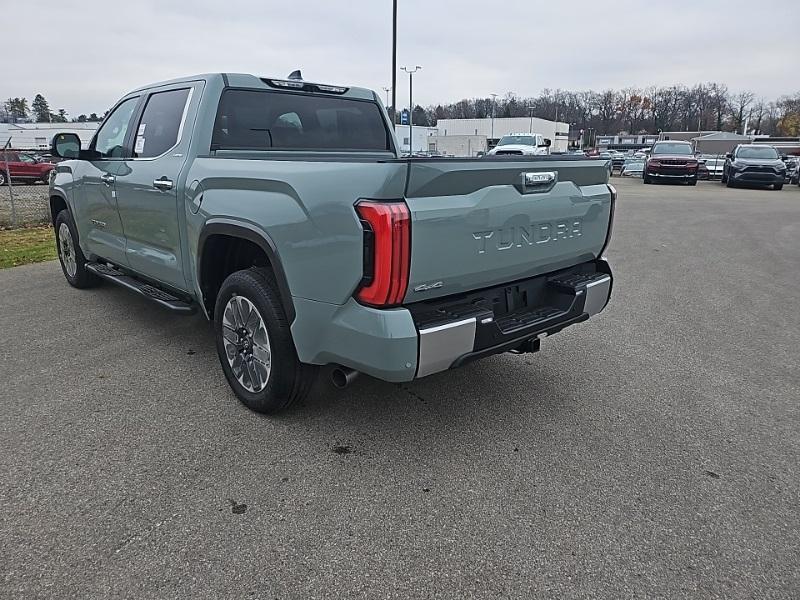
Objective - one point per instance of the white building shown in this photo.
(421, 135)
(458, 145)
(556, 131)
(37, 136)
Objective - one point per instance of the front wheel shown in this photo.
(693, 182)
(777, 186)
(2, 177)
(254, 343)
(73, 263)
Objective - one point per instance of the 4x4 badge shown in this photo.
(428, 286)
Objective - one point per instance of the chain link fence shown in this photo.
(22, 204)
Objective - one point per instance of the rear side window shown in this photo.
(160, 123)
(256, 120)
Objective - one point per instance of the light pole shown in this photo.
(387, 90)
(494, 104)
(530, 111)
(394, 61)
(411, 106)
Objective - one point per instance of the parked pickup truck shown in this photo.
(281, 210)
(521, 144)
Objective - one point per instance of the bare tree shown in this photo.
(740, 108)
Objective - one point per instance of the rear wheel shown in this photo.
(73, 263)
(254, 343)
(2, 177)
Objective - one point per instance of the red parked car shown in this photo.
(23, 167)
(671, 161)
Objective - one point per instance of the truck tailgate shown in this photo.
(482, 222)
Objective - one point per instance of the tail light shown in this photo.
(387, 252)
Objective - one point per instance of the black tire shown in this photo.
(288, 380)
(723, 178)
(729, 182)
(2, 177)
(81, 278)
(645, 179)
(777, 186)
(693, 182)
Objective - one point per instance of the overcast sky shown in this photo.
(83, 55)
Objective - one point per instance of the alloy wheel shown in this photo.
(246, 342)
(66, 250)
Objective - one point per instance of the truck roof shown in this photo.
(256, 81)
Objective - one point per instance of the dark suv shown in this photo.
(671, 161)
(754, 163)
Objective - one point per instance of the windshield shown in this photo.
(672, 148)
(521, 140)
(760, 152)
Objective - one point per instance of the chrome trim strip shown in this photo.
(440, 346)
(597, 295)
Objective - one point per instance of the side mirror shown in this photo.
(546, 144)
(66, 145)
(729, 155)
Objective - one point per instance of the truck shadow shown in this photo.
(506, 394)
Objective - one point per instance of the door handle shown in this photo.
(107, 179)
(163, 184)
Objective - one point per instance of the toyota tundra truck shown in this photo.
(282, 211)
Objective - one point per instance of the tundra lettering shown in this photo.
(541, 233)
(282, 211)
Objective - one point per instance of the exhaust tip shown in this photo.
(343, 376)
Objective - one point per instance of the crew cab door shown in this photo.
(148, 184)
(98, 221)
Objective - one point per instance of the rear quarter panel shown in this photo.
(304, 206)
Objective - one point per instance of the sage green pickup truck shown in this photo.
(282, 211)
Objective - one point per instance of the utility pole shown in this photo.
(530, 111)
(494, 104)
(394, 62)
(411, 106)
(387, 90)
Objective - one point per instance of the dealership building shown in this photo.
(555, 131)
(37, 136)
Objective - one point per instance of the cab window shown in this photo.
(161, 123)
(110, 139)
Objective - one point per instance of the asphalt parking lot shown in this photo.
(650, 452)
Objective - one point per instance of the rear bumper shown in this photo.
(423, 338)
(455, 332)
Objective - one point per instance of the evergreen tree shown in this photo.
(41, 109)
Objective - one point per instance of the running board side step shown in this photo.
(150, 292)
